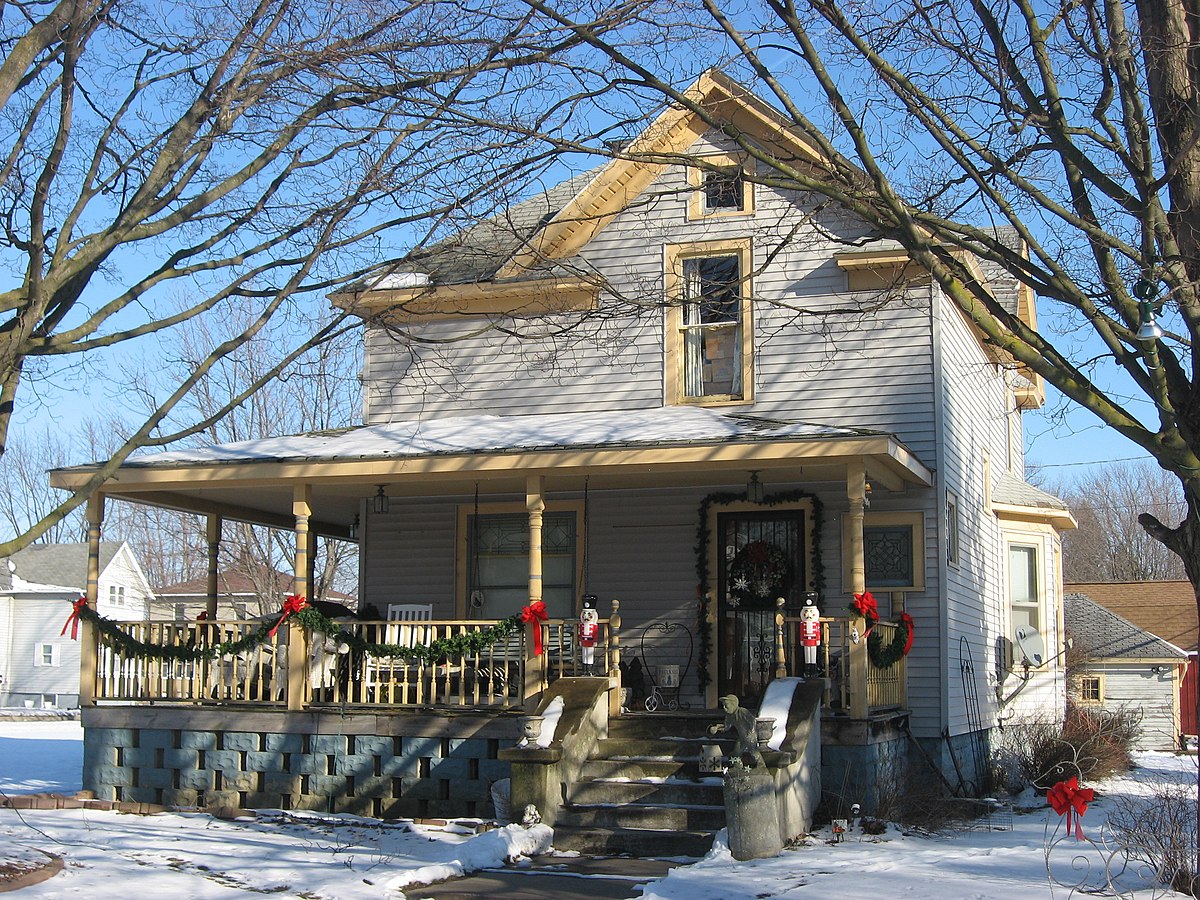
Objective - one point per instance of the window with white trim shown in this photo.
(45, 655)
(1024, 588)
(116, 594)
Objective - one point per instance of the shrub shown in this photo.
(1159, 832)
(1089, 744)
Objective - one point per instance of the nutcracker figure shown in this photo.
(589, 631)
(810, 636)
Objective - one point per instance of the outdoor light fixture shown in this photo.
(754, 490)
(380, 503)
(1158, 670)
(1148, 329)
(354, 528)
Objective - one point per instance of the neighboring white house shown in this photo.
(695, 392)
(246, 592)
(39, 666)
(1126, 668)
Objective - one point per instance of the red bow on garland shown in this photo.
(866, 606)
(292, 603)
(908, 623)
(1069, 798)
(73, 619)
(535, 613)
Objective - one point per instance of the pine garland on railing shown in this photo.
(309, 617)
(703, 586)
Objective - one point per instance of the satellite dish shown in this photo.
(1031, 645)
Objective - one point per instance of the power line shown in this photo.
(1095, 462)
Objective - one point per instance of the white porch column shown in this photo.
(535, 666)
(856, 492)
(214, 552)
(297, 643)
(89, 636)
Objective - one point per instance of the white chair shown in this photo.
(404, 632)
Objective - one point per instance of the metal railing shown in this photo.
(502, 674)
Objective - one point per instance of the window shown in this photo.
(708, 342)
(116, 594)
(1024, 597)
(893, 551)
(720, 191)
(1091, 689)
(498, 563)
(951, 528)
(46, 655)
(49, 701)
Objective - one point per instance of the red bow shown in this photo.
(908, 623)
(535, 612)
(292, 603)
(866, 606)
(73, 619)
(1069, 798)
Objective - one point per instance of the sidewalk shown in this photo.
(554, 878)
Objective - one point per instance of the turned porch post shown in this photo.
(297, 642)
(856, 491)
(214, 552)
(535, 666)
(89, 635)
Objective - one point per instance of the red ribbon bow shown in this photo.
(535, 613)
(908, 623)
(292, 603)
(866, 606)
(73, 619)
(1069, 798)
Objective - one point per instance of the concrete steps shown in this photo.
(642, 792)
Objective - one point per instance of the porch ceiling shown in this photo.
(660, 448)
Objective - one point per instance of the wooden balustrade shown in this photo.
(334, 673)
(881, 689)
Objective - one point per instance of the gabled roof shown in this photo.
(1102, 634)
(534, 240)
(1166, 607)
(58, 565)
(1014, 492)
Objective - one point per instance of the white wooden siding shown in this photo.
(1132, 687)
(36, 620)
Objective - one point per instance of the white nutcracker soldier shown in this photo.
(810, 635)
(589, 632)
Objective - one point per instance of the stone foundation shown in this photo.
(385, 766)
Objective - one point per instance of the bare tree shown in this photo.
(1110, 544)
(227, 151)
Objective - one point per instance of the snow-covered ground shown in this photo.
(196, 856)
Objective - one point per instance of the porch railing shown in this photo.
(884, 688)
(500, 675)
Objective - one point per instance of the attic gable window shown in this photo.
(709, 345)
(719, 189)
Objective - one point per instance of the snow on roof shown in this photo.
(666, 426)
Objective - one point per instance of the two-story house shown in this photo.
(669, 383)
(39, 666)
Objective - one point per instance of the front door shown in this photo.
(761, 558)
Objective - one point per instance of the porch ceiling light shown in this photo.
(754, 489)
(354, 528)
(380, 503)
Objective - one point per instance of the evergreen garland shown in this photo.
(441, 649)
(882, 655)
(703, 583)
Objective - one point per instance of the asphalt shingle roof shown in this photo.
(1167, 607)
(64, 565)
(1101, 634)
(1014, 492)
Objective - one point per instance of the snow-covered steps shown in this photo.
(642, 792)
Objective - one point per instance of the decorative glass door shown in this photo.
(761, 558)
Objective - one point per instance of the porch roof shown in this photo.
(661, 447)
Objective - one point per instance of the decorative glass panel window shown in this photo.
(1091, 689)
(1024, 597)
(498, 563)
(889, 555)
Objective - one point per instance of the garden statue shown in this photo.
(740, 721)
(589, 631)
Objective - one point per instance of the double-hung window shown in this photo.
(708, 327)
(1024, 595)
